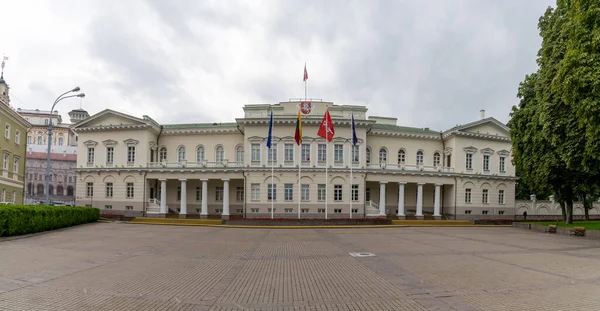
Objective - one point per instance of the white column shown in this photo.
(401, 198)
(225, 213)
(420, 199)
(204, 208)
(382, 198)
(183, 199)
(163, 196)
(436, 204)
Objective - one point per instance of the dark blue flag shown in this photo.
(270, 131)
(354, 138)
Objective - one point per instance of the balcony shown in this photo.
(410, 167)
(202, 164)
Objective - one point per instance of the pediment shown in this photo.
(109, 143)
(110, 118)
(488, 126)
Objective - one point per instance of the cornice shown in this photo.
(403, 134)
(477, 135)
(232, 130)
(103, 128)
(305, 121)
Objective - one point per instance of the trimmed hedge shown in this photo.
(23, 219)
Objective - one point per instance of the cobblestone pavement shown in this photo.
(114, 266)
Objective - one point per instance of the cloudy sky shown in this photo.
(432, 63)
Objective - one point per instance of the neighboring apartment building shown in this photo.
(12, 148)
(125, 163)
(63, 155)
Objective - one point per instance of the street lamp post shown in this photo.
(59, 98)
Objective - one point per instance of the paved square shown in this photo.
(115, 266)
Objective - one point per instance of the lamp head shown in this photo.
(82, 95)
(76, 89)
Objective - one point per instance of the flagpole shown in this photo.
(272, 186)
(326, 165)
(299, 168)
(351, 180)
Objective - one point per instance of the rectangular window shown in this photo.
(198, 194)
(355, 154)
(288, 210)
(16, 165)
(501, 196)
(255, 153)
(254, 210)
(272, 154)
(110, 154)
(305, 152)
(484, 212)
(272, 192)
(219, 194)
(178, 193)
(89, 190)
(337, 193)
(469, 161)
(304, 192)
(321, 210)
(355, 211)
(337, 210)
(271, 210)
(130, 154)
(90, 155)
(321, 195)
(288, 153)
(130, 190)
(338, 153)
(288, 192)
(304, 210)
(322, 153)
(17, 137)
(29, 140)
(109, 190)
(355, 193)
(467, 195)
(468, 211)
(484, 196)
(255, 192)
(502, 164)
(7, 131)
(239, 194)
(500, 212)
(486, 162)
(107, 206)
(129, 207)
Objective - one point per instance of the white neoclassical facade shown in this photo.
(136, 166)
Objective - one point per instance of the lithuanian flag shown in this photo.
(298, 134)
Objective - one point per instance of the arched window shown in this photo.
(40, 189)
(419, 157)
(401, 157)
(368, 157)
(239, 154)
(219, 154)
(60, 190)
(200, 154)
(61, 141)
(382, 156)
(51, 188)
(70, 190)
(162, 154)
(39, 140)
(181, 154)
(436, 159)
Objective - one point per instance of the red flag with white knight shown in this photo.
(326, 129)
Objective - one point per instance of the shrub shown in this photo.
(23, 219)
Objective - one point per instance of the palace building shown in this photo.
(136, 166)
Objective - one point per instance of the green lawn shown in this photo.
(588, 225)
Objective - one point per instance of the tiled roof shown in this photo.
(389, 127)
(53, 156)
(198, 125)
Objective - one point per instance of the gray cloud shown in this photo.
(433, 63)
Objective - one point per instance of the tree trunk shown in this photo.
(586, 207)
(563, 208)
(569, 212)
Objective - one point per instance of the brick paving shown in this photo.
(115, 266)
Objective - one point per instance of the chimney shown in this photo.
(482, 112)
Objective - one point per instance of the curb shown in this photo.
(317, 227)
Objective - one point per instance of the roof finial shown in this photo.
(4, 59)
